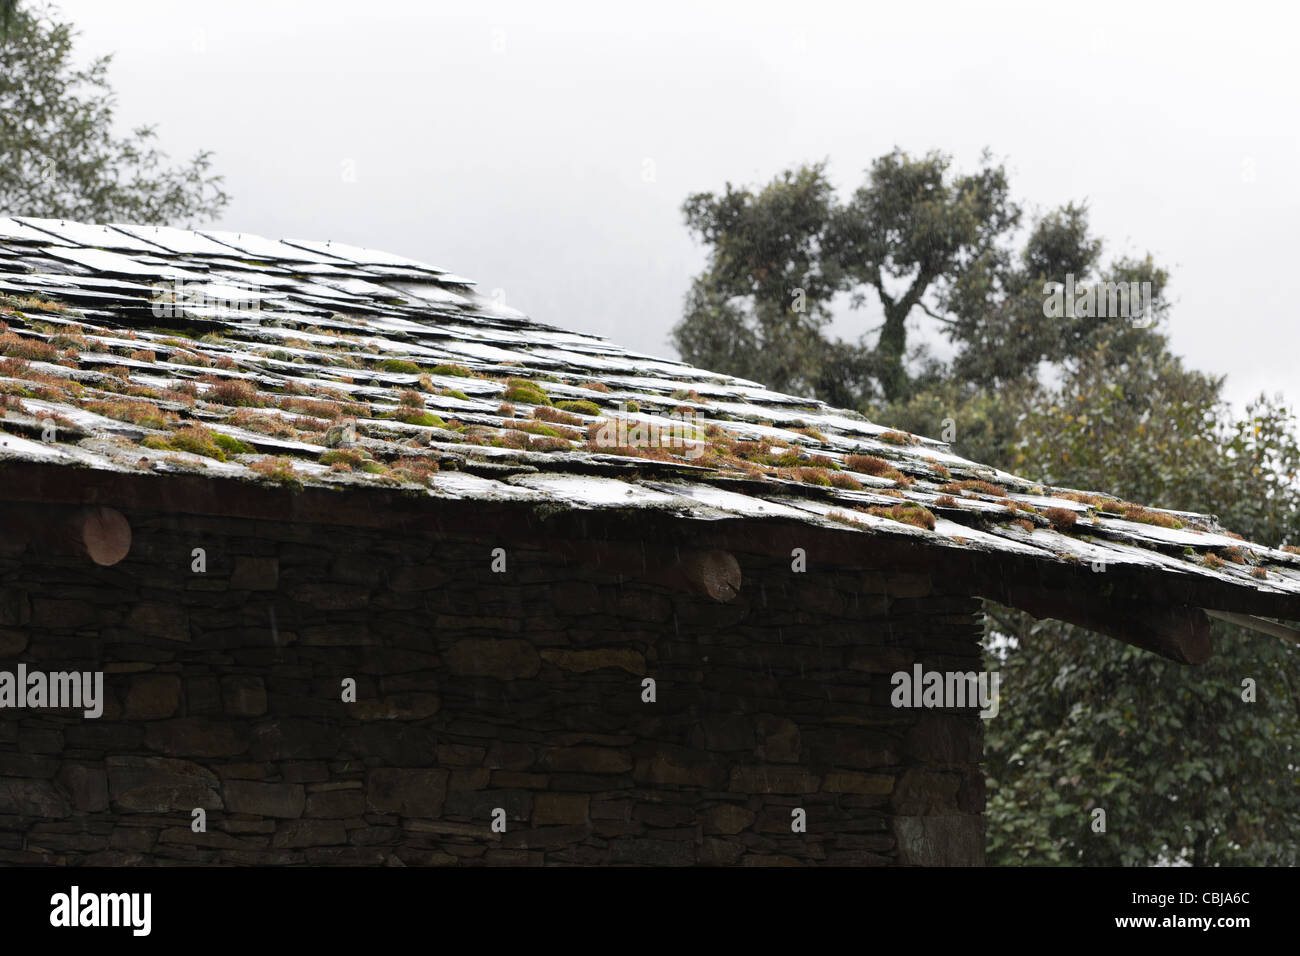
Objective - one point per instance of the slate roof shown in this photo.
(164, 351)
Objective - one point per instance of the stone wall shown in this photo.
(476, 690)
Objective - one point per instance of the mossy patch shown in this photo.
(1146, 516)
(896, 438)
(16, 303)
(196, 440)
(814, 476)
(547, 414)
(877, 467)
(975, 484)
(908, 513)
(544, 430)
(459, 371)
(311, 406)
(580, 407)
(279, 470)
(1062, 519)
(143, 414)
(416, 470)
(811, 433)
(525, 391)
(16, 346)
(542, 443)
(416, 416)
(348, 458)
(843, 518)
(1087, 498)
(511, 439)
(231, 391)
(232, 445)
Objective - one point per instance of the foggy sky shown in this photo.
(544, 149)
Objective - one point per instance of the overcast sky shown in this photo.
(544, 149)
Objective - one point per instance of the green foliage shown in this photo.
(1184, 768)
(761, 305)
(59, 156)
(780, 254)
(921, 240)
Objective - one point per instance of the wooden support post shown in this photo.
(101, 534)
(105, 535)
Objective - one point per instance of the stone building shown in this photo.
(378, 571)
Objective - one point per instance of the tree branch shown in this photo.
(934, 315)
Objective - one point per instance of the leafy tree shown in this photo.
(911, 230)
(1184, 768)
(920, 240)
(765, 299)
(59, 156)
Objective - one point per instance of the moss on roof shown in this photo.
(415, 377)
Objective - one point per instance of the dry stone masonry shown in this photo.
(475, 690)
